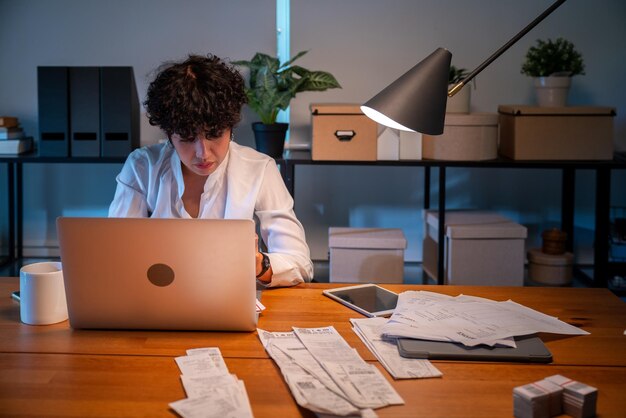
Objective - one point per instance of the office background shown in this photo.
(366, 44)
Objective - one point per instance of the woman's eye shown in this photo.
(187, 140)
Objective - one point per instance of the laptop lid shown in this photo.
(164, 274)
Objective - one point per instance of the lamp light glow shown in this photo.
(378, 117)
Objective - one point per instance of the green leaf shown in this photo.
(298, 55)
(270, 86)
(319, 81)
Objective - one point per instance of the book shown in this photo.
(8, 121)
(11, 133)
(16, 146)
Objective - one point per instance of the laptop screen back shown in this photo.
(165, 274)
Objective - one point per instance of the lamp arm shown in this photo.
(458, 86)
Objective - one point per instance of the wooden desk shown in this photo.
(53, 370)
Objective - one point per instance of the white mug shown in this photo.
(42, 294)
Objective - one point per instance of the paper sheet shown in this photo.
(468, 320)
(386, 351)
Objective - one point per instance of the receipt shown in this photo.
(362, 384)
(316, 392)
(201, 363)
(386, 351)
(212, 392)
(220, 402)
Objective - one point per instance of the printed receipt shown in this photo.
(326, 375)
(386, 351)
(212, 392)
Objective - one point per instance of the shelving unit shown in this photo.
(15, 210)
(603, 269)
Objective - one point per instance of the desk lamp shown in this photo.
(417, 100)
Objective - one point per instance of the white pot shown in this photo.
(552, 91)
(460, 102)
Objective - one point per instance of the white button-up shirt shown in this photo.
(246, 184)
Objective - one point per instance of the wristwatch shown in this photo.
(265, 265)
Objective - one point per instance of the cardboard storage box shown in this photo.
(466, 137)
(342, 132)
(556, 133)
(366, 255)
(481, 248)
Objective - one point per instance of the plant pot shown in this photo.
(552, 91)
(270, 139)
(460, 102)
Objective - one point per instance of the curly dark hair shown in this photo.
(200, 94)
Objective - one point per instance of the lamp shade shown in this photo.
(417, 100)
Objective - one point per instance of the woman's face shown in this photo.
(201, 155)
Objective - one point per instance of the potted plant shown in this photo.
(553, 64)
(270, 88)
(460, 102)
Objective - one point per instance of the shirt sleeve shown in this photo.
(130, 195)
(282, 232)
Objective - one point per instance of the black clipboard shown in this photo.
(530, 349)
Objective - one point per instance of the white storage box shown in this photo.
(481, 248)
(549, 269)
(366, 255)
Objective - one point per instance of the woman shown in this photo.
(201, 173)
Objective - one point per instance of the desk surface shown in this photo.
(54, 370)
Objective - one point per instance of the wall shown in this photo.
(139, 33)
(366, 44)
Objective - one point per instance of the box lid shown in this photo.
(335, 109)
(471, 119)
(522, 110)
(371, 238)
(469, 224)
(537, 257)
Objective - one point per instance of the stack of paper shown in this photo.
(530, 401)
(555, 396)
(326, 375)
(468, 320)
(386, 351)
(540, 399)
(579, 399)
(211, 390)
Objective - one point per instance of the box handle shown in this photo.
(345, 135)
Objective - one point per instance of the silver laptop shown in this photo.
(164, 274)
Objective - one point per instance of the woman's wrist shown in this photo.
(263, 268)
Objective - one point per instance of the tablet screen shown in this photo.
(368, 298)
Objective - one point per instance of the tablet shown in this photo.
(369, 299)
(530, 349)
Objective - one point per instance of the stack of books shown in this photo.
(12, 138)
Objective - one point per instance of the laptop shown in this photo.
(160, 274)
